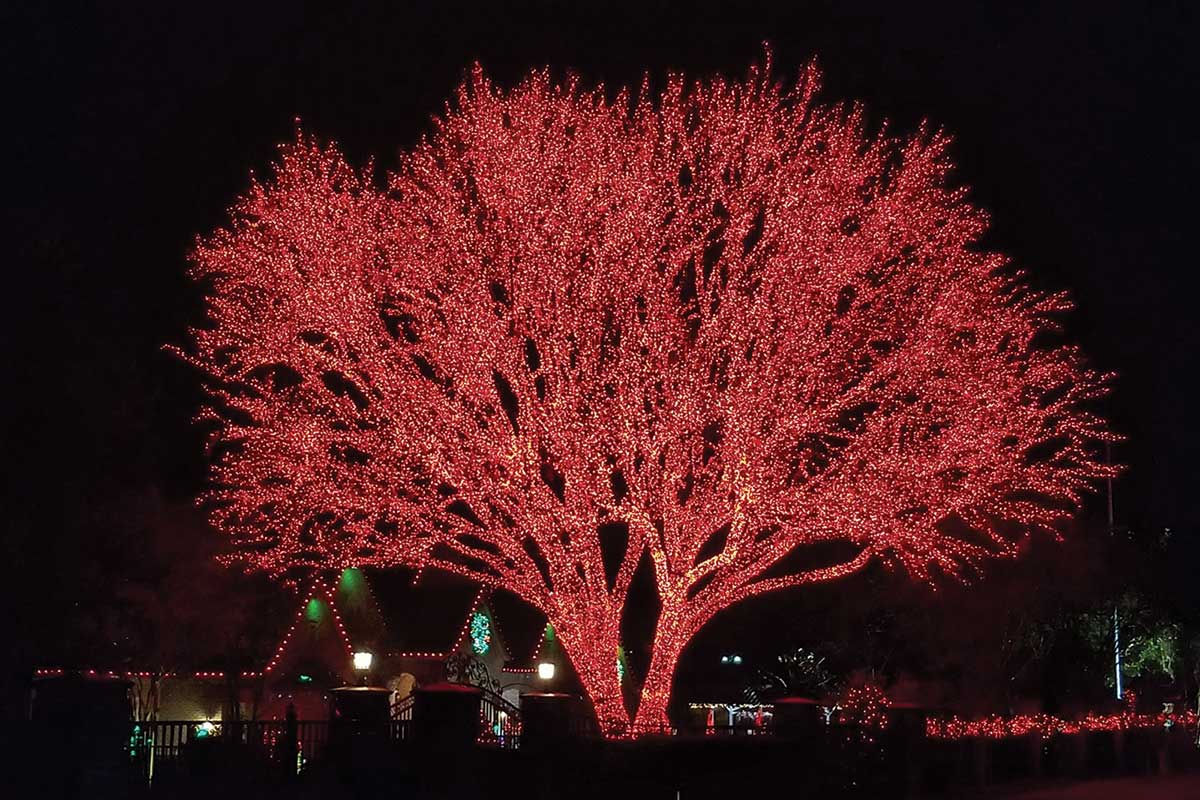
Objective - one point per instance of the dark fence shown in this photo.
(899, 754)
(289, 747)
(162, 745)
(166, 746)
(897, 751)
(982, 761)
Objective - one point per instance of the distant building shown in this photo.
(419, 633)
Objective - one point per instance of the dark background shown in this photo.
(134, 125)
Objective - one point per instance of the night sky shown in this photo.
(137, 125)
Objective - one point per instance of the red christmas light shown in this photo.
(865, 709)
(1048, 725)
(722, 316)
(320, 592)
(56, 672)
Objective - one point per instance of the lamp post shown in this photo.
(1117, 602)
(362, 665)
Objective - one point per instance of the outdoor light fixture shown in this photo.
(362, 660)
(546, 670)
(205, 729)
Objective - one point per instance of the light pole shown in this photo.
(1117, 601)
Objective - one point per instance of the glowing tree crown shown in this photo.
(711, 324)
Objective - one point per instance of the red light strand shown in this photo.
(1048, 725)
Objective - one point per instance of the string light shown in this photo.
(416, 654)
(864, 709)
(464, 632)
(321, 594)
(202, 675)
(717, 322)
(1047, 725)
(547, 634)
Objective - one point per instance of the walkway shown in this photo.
(1176, 787)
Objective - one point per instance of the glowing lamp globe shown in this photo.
(545, 670)
(362, 660)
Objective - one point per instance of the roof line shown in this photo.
(54, 672)
(327, 595)
(466, 627)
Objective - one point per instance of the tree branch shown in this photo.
(812, 576)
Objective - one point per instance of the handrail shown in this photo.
(499, 701)
(499, 720)
(403, 709)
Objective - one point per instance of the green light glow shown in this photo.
(352, 580)
(306, 678)
(315, 610)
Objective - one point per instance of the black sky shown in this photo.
(135, 125)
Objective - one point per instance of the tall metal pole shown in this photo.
(1116, 602)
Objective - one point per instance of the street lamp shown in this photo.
(362, 664)
(545, 670)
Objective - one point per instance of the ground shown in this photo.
(1178, 787)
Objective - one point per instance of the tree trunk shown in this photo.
(593, 655)
(669, 641)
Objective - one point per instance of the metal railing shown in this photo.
(499, 721)
(403, 709)
(161, 744)
(290, 746)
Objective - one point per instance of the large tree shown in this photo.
(712, 326)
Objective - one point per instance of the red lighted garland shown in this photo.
(1048, 725)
